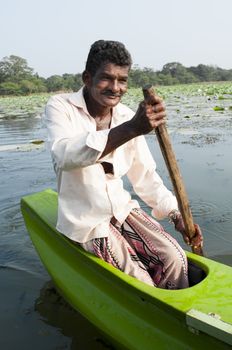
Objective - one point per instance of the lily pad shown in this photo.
(37, 142)
(218, 108)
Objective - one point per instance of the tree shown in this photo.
(68, 81)
(78, 82)
(14, 69)
(172, 68)
(17, 78)
(211, 73)
(55, 83)
(179, 73)
(139, 77)
(166, 79)
(28, 87)
(9, 88)
(40, 83)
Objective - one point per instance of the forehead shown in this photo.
(112, 69)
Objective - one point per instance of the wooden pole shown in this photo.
(175, 175)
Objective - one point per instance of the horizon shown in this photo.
(135, 65)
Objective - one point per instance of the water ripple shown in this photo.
(202, 208)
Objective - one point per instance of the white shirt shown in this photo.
(87, 197)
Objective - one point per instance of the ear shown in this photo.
(87, 78)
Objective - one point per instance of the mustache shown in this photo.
(111, 93)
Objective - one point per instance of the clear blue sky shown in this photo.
(54, 36)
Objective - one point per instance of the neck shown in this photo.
(95, 109)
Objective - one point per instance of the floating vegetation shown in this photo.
(218, 108)
(20, 106)
(34, 104)
(189, 106)
(200, 140)
(37, 142)
(24, 147)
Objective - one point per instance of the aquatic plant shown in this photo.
(218, 108)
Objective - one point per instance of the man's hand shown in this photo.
(149, 116)
(197, 240)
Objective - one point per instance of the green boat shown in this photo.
(132, 314)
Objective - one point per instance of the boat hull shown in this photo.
(132, 314)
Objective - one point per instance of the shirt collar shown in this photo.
(77, 99)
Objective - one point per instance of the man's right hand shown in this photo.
(149, 115)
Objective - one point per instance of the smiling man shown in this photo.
(95, 140)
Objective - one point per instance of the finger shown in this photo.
(149, 109)
(156, 123)
(200, 245)
(198, 230)
(157, 99)
(153, 99)
(197, 241)
(158, 107)
(196, 244)
(186, 239)
(155, 109)
(157, 116)
(198, 236)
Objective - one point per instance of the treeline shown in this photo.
(17, 78)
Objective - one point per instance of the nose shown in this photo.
(115, 86)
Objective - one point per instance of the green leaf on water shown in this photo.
(218, 108)
(37, 142)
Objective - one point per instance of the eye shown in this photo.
(123, 80)
(105, 77)
(123, 83)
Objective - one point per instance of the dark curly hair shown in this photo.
(107, 51)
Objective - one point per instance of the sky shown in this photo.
(54, 36)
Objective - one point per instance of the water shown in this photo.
(31, 314)
(206, 171)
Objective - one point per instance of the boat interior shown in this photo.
(195, 273)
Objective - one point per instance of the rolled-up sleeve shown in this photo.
(147, 183)
(71, 148)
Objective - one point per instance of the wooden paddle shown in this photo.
(175, 175)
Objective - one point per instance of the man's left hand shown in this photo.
(196, 240)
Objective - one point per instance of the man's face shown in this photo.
(108, 84)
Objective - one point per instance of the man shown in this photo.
(94, 141)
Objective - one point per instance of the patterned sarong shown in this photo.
(141, 248)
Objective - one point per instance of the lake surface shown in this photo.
(32, 315)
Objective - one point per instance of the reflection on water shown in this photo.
(55, 311)
(206, 167)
